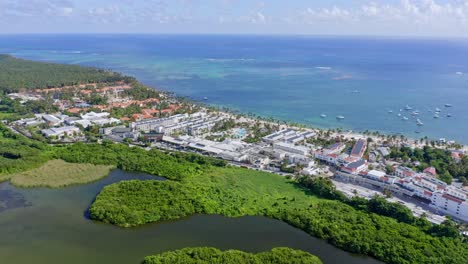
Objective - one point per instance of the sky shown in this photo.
(315, 17)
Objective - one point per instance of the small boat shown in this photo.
(390, 111)
(436, 116)
(407, 108)
(437, 109)
(448, 105)
(323, 115)
(415, 113)
(205, 98)
(404, 118)
(419, 122)
(449, 115)
(417, 132)
(399, 114)
(340, 117)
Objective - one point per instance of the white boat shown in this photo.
(340, 117)
(419, 122)
(407, 108)
(436, 116)
(437, 109)
(404, 118)
(448, 105)
(415, 113)
(399, 114)
(449, 115)
(205, 98)
(390, 111)
(323, 115)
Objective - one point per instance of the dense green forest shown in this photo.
(13, 110)
(175, 166)
(18, 153)
(206, 255)
(440, 159)
(16, 74)
(238, 192)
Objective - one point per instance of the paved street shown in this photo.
(417, 207)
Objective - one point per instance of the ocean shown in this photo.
(368, 81)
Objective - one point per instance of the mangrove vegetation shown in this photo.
(206, 255)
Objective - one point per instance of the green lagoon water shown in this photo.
(49, 226)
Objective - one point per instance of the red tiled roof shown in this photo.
(430, 170)
(450, 197)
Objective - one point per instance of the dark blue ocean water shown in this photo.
(295, 78)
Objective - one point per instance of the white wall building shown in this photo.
(61, 131)
(301, 150)
(452, 202)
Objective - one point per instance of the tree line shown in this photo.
(440, 159)
(207, 255)
(17, 74)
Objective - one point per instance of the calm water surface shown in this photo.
(46, 226)
(295, 78)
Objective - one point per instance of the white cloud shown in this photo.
(395, 17)
(36, 8)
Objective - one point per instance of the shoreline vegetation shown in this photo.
(58, 173)
(236, 192)
(206, 255)
(200, 184)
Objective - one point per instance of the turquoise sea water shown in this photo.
(292, 78)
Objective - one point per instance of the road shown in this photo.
(418, 208)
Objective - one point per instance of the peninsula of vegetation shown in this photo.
(40, 150)
(213, 255)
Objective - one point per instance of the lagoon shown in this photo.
(50, 226)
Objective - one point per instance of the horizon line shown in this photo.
(383, 36)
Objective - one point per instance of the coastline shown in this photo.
(338, 132)
(220, 81)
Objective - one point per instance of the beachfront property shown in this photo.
(359, 148)
(155, 123)
(289, 135)
(335, 148)
(195, 124)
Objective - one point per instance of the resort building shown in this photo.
(287, 147)
(359, 148)
(334, 148)
(453, 202)
(355, 167)
(404, 172)
(289, 135)
(60, 132)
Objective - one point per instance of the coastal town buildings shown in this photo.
(289, 135)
